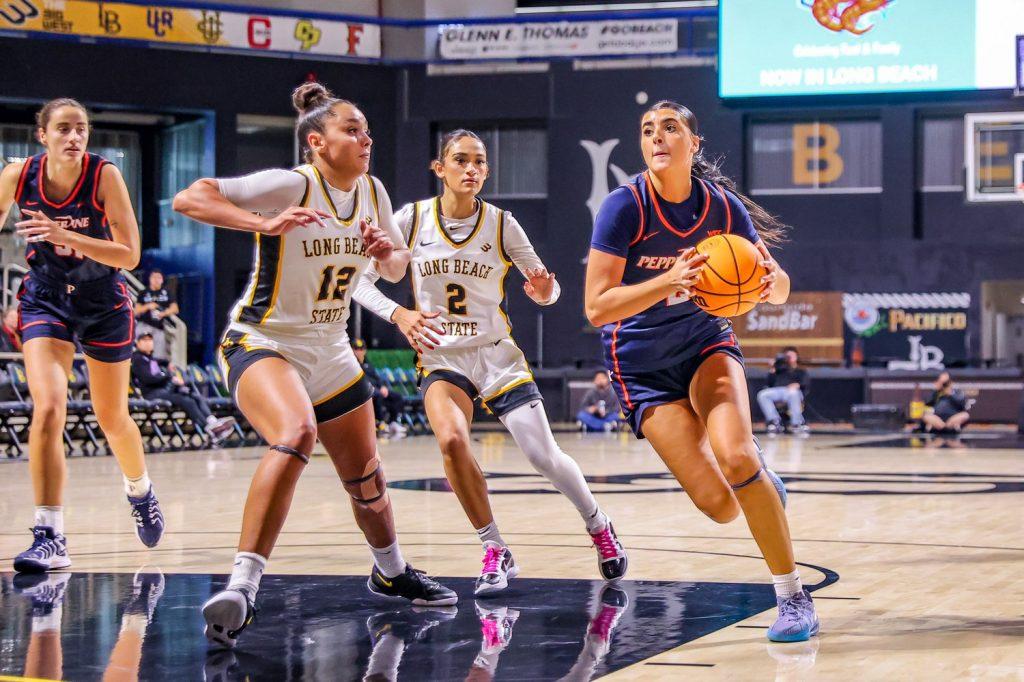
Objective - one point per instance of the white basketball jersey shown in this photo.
(301, 282)
(463, 280)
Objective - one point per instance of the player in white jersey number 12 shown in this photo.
(462, 249)
(286, 353)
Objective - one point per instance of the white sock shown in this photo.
(530, 428)
(788, 584)
(385, 658)
(50, 622)
(597, 521)
(489, 533)
(247, 572)
(138, 487)
(389, 559)
(52, 517)
(135, 622)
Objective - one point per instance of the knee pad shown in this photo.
(371, 489)
(750, 480)
(291, 451)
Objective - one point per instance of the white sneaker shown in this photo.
(396, 430)
(221, 429)
(498, 568)
(227, 613)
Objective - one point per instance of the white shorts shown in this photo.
(497, 373)
(329, 370)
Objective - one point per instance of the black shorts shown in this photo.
(98, 315)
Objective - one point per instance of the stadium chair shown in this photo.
(219, 387)
(15, 413)
(219, 405)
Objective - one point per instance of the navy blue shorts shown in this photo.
(638, 391)
(98, 315)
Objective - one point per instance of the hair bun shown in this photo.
(309, 96)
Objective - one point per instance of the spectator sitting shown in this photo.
(387, 404)
(947, 408)
(599, 410)
(10, 339)
(153, 305)
(787, 383)
(158, 380)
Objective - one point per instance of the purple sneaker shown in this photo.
(149, 520)
(797, 620)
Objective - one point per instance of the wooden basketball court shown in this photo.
(915, 545)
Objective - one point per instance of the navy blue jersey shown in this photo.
(79, 211)
(649, 232)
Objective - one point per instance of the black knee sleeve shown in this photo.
(291, 451)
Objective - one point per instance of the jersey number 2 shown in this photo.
(340, 282)
(456, 299)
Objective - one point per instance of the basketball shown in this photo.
(730, 282)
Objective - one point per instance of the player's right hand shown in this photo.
(292, 217)
(417, 328)
(685, 272)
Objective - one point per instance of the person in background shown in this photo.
(152, 306)
(158, 380)
(947, 408)
(10, 339)
(599, 410)
(787, 384)
(387, 404)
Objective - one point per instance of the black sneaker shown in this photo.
(408, 625)
(413, 585)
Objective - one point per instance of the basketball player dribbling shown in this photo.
(462, 249)
(78, 221)
(677, 370)
(286, 352)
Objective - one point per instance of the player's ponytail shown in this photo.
(768, 227)
(315, 105)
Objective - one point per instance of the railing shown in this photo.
(175, 328)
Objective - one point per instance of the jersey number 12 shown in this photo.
(341, 282)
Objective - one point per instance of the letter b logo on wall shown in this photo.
(816, 158)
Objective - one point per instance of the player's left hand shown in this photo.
(539, 284)
(771, 267)
(378, 244)
(39, 228)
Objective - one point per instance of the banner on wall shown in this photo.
(921, 331)
(812, 321)
(559, 38)
(254, 32)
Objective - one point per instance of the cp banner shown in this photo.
(265, 32)
(562, 38)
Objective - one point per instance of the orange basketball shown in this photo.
(730, 283)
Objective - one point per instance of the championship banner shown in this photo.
(558, 39)
(812, 321)
(264, 32)
(907, 331)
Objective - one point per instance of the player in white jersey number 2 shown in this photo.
(462, 249)
(286, 353)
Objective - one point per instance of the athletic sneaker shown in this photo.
(45, 590)
(613, 603)
(611, 557)
(221, 429)
(774, 428)
(49, 551)
(221, 666)
(147, 588)
(413, 585)
(149, 520)
(495, 627)
(227, 614)
(802, 430)
(409, 625)
(797, 620)
(498, 568)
